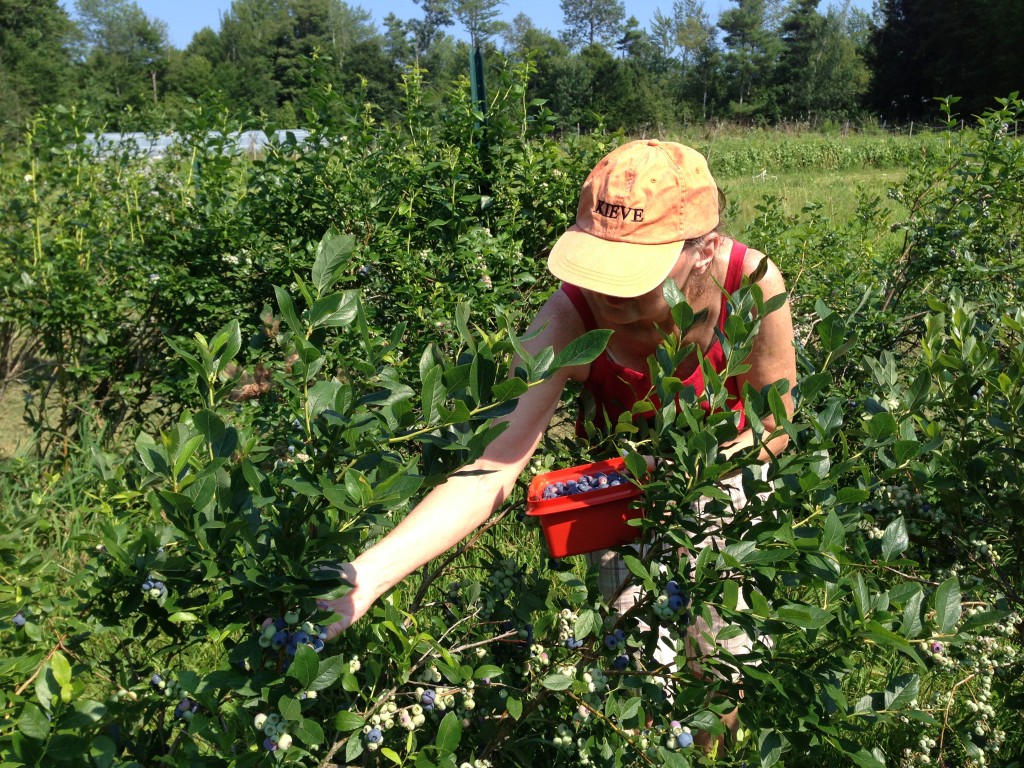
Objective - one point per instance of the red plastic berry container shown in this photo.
(585, 522)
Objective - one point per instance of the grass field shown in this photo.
(838, 192)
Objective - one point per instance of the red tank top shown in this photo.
(615, 388)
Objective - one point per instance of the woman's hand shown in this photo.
(351, 606)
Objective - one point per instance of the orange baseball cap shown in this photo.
(638, 206)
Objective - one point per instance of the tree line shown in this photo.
(760, 61)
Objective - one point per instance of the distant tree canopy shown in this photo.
(761, 60)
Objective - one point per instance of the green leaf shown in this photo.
(487, 671)
(833, 538)
(353, 749)
(308, 730)
(581, 351)
(882, 426)
(514, 707)
(912, 624)
(346, 721)
(905, 450)
(865, 759)
(769, 746)
(332, 253)
(556, 682)
(587, 622)
(226, 343)
(33, 722)
(290, 708)
(901, 691)
(946, 603)
(432, 393)
(894, 539)
(449, 733)
(806, 616)
(284, 303)
(61, 669)
(321, 397)
(182, 617)
(327, 673)
(335, 310)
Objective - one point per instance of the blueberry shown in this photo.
(279, 640)
(374, 736)
(611, 642)
(157, 682)
(269, 744)
(19, 620)
(601, 479)
(676, 602)
(621, 662)
(318, 644)
(280, 624)
(147, 585)
(300, 637)
(620, 635)
(684, 740)
(672, 588)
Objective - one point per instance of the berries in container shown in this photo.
(585, 508)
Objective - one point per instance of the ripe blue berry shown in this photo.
(279, 640)
(374, 736)
(157, 682)
(621, 662)
(19, 620)
(269, 744)
(684, 740)
(672, 588)
(676, 602)
(611, 642)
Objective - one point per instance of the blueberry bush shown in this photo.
(159, 602)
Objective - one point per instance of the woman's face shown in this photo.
(650, 307)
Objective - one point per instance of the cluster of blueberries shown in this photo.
(673, 603)
(583, 484)
(286, 632)
(427, 699)
(186, 708)
(615, 640)
(681, 735)
(273, 728)
(154, 589)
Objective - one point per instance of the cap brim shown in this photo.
(612, 268)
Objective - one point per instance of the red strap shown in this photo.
(582, 307)
(733, 278)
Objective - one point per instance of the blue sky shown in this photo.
(186, 17)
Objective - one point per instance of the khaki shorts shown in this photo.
(701, 638)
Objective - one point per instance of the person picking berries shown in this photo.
(648, 212)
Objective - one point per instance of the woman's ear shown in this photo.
(706, 253)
